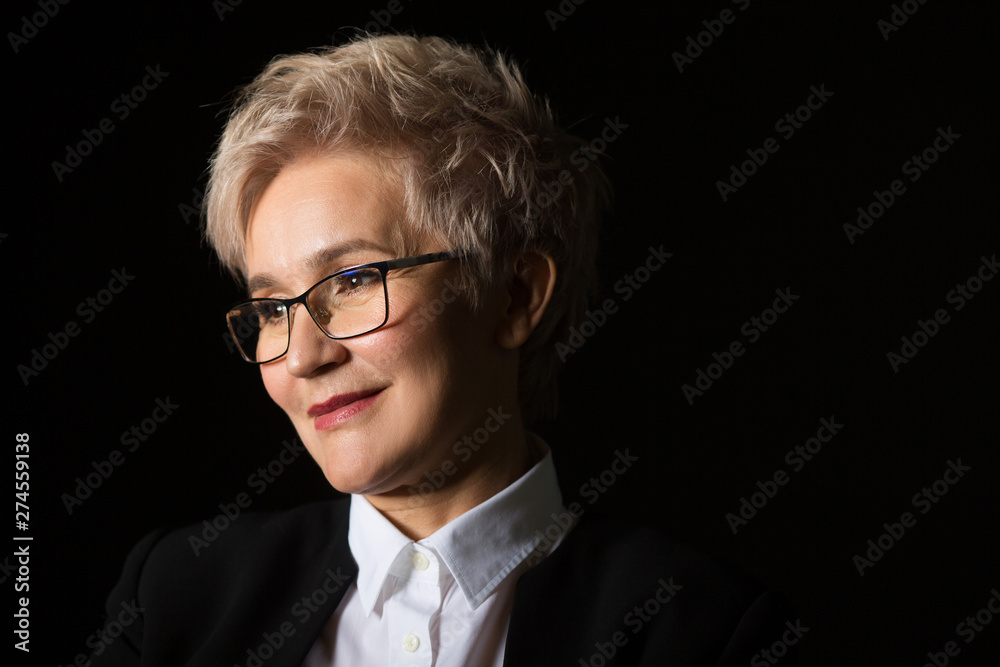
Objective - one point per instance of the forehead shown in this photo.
(316, 203)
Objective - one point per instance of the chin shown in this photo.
(375, 450)
(360, 482)
(350, 460)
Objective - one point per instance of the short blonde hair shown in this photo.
(483, 165)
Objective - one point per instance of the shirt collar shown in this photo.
(480, 548)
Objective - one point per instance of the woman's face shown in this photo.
(413, 387)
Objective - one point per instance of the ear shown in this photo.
(528, 292)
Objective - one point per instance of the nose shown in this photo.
(309, 349)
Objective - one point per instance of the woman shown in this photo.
(415, 240)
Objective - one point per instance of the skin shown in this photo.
(438, 379)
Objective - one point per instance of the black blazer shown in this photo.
(260, 594)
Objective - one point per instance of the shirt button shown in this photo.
(410, 643)
(420, 561)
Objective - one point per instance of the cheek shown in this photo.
(435, 362)
(410, 348)
(278, 384)
(400, 347)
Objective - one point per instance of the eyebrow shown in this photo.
(319, 261)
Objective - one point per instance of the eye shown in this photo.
(353, 282)
(270, 313)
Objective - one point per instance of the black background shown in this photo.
(825, 358)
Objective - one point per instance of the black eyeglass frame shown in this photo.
(383, 268)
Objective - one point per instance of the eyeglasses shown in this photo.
(347, 304)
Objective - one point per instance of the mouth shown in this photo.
(338, 409)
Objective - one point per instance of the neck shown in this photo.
(419, 512)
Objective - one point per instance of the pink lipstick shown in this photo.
(340, 408)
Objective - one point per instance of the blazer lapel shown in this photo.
(321, 578)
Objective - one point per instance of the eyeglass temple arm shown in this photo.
(407, 262)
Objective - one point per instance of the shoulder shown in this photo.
(613, 580)
(226, 536)
(616, 549)
(231, 549)
(206, 588)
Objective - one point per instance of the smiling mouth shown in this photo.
(342, 407)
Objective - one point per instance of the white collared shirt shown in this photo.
(444, 601)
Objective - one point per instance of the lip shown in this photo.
(341, 407)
